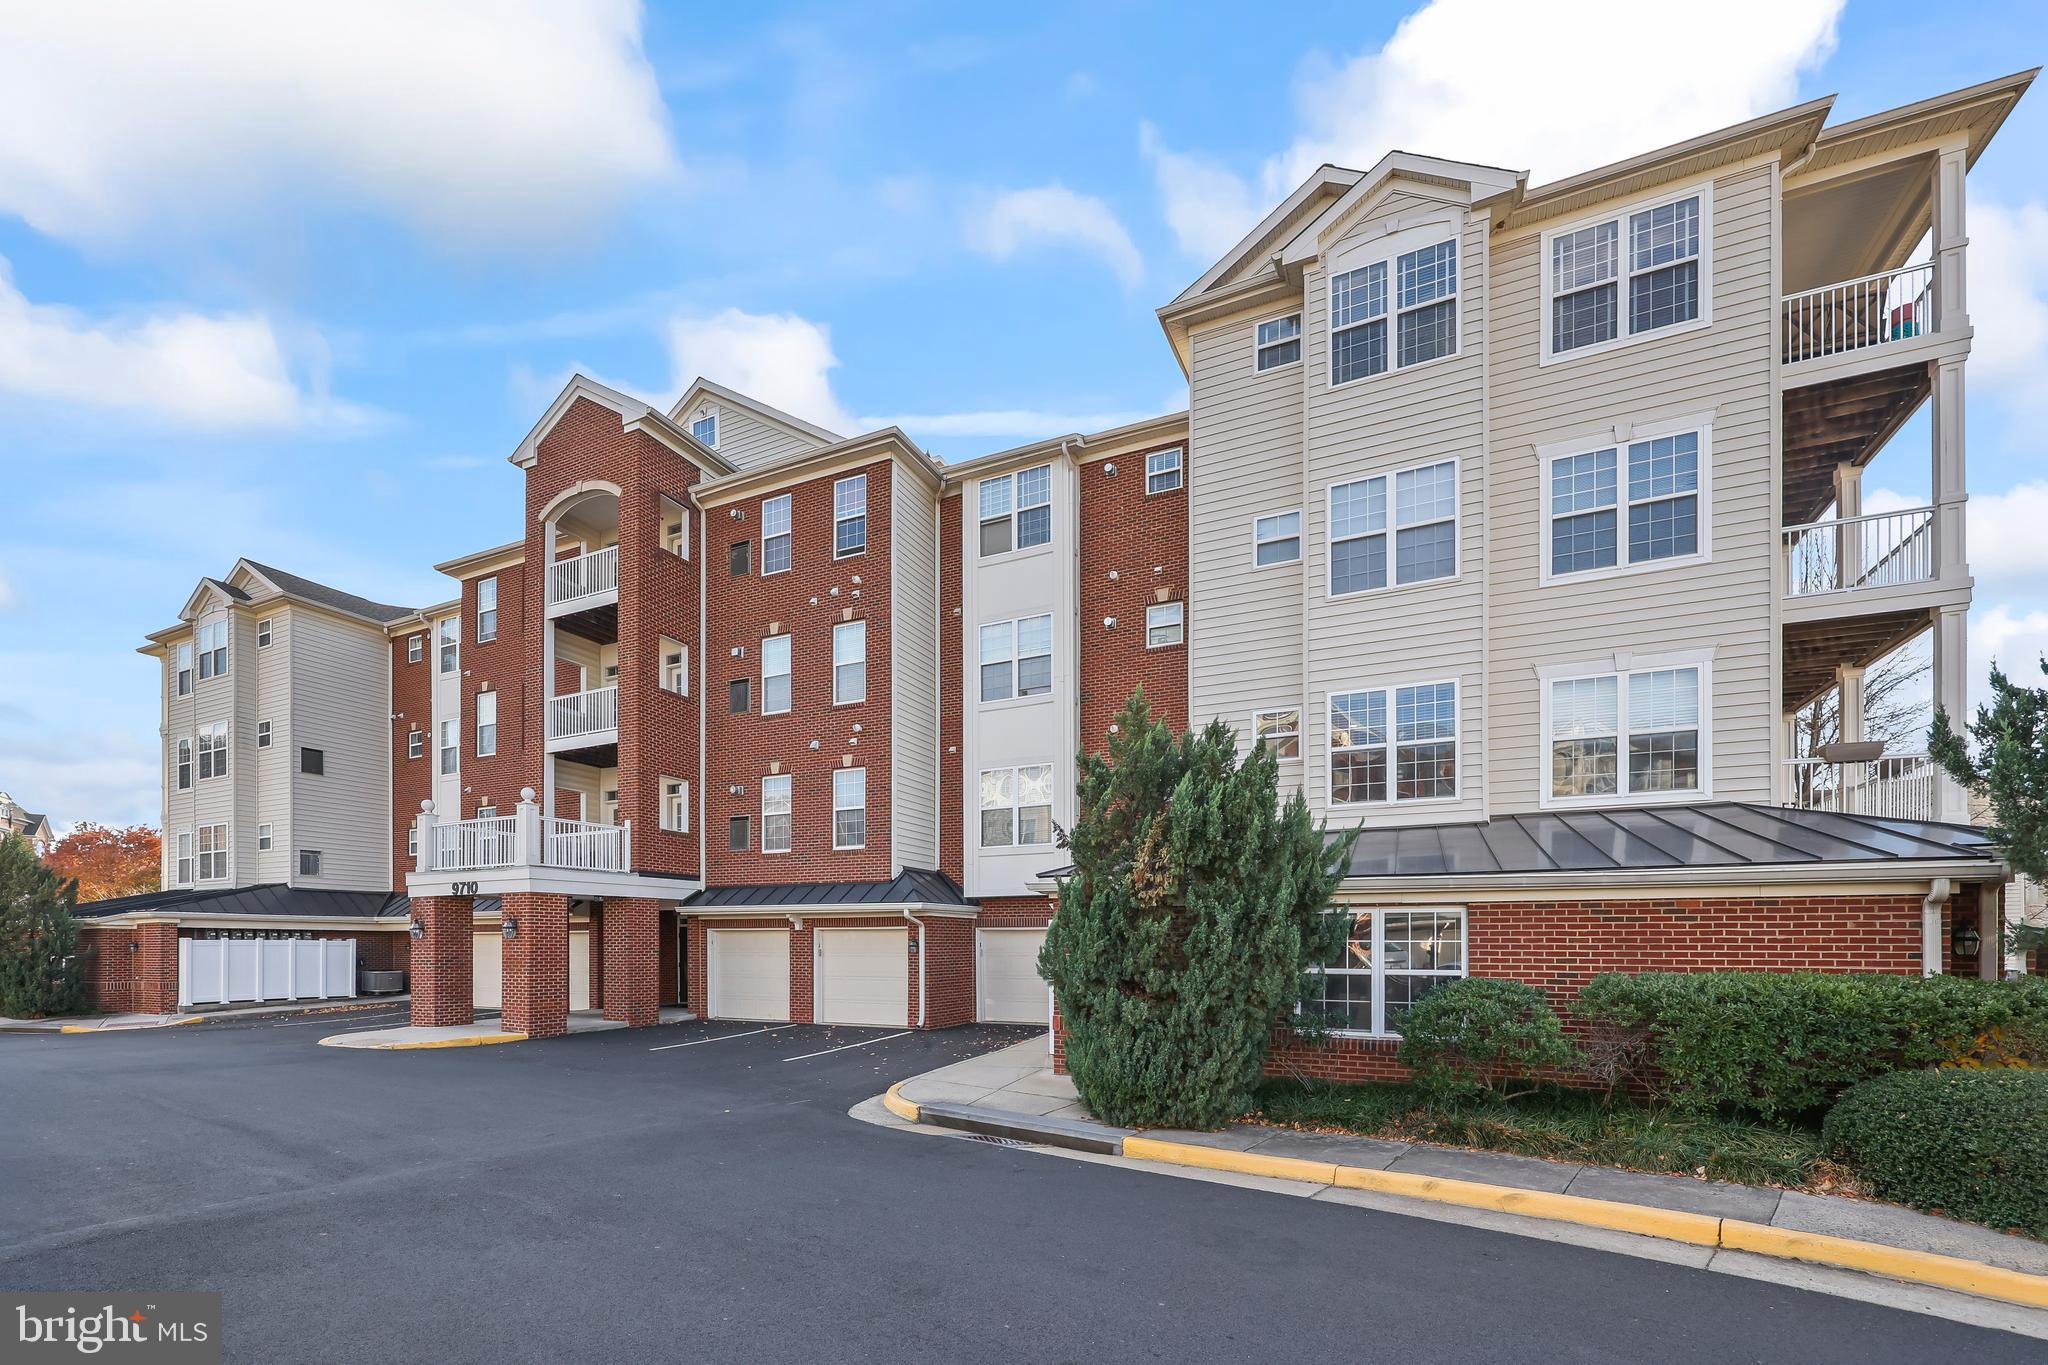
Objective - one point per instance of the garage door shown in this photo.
(487, 970)
(749, 974)
(864, 977)
(1009, 988)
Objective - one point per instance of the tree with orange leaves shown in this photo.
(108, 862)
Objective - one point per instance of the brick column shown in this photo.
(597, 956)
(536, 1001)
(632, 961)
(155, 969)
(442, 989)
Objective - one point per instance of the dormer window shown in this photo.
(704, 426)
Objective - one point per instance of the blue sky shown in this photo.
(290, 283)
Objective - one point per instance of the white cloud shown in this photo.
(782, 359)
(1548, 96)
(2014, 639)
(2009, 295)
(1206, 205)
(2005, 535)
(1054, 216)
(227, 371)
(9, 600)
(479, 121)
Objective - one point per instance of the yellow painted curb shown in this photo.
(1697, 1229)
(893, 1101)
(133, 1028)
(1922, 1267)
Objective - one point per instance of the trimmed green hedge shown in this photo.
(1784, 1043)
(1965, 1141)
(1482, 1034)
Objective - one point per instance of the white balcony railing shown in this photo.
(584, 576)
(1896, 786)
(1882, 550)
(485, 842)
(584, 713)
(1872, 311)
(586, 846)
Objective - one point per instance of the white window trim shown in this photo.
(482, 610)
(1623, 663)
(1300, 537)
(185, 858)
(415, 648)
(263, 734)
(1299, 738)
(449, 742)
(447, 636)
(1014, 552)
(855, 627)
(790, 674)
(184, 754)
(789, 782)
(1180, 471)
(264, 841)
(788, 500)
(862, 808)
(860, 516)
(1015, 770)
(1393, 747)
(202, 749)
(1378, 971)
(1180, 623)
(481, 751)
(1457, 520)
(415, 744)
(263, 633)
(1016, 697)
(1388, 251)
(225, 853)
(670, 645)
(183, 668)
(669, 822)
(1623, 337)
(708, 410)
(1300, 338)
(319, 863)
(1620, 436)
(678, 544)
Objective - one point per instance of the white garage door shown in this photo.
(487, 970)
(749, 970)
(864, 977)
(1007, 983)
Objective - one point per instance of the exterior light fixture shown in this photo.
(1965, 940)
(510, 929)
(419, 928)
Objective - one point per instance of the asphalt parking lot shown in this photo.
(697, 1192)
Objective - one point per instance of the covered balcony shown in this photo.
(1892, 786)
(583, 581)
(525, 838)
(583, 720)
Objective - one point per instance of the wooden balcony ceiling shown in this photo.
(597, 624)
(1845, 422)
(1813, 648)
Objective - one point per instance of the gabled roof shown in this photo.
(634, 415)
(796, 426)
(911, 887)
(1978, 111)
(889, 441)
(320, 595)
(1328, 182)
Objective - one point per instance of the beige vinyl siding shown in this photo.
(1431, 631)
(341, 704)
(913, 665)
(746, 440)
(213, 699)
(273, 766)
(1244, 433)
(177, 724)
(572, 777)
(1726, 604)
(570, 648)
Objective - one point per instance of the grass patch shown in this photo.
(1563, 1125)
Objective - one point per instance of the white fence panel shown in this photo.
(218, 971)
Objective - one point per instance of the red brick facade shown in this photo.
(412, 711)
(442, 991)
(806, 601)
(536, 970)
(1134, 554)
(143, 979)
(498, 666)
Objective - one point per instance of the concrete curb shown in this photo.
(124, 1028)
(1695, 1229)
(341, 1040)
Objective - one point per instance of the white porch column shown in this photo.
(1848, 543)
(1952, 694)
(526, 835)
(1990, 933)
(1951, 494)
(1951, 239)
(1849, 686)
(423, 855)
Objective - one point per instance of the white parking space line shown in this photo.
(843, 1047)
(669, 1047)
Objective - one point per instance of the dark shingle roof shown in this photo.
(1712, 834)
(381, 612)
(913, 886)
(252, 900)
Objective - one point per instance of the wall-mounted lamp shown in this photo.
(1965, 940)
(419, 929)
(510, 929)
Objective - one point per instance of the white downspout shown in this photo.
(920, 965)
(1930, 926)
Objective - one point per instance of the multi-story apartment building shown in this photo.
(1520, 521)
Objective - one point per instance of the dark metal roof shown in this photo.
(1713, 834)
(252, 900)
(913, 886)
(382, 612)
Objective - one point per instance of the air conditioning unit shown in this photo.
(382, 983)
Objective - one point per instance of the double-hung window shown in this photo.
(1626, 276)
(1389, 960)
(850, 516)
(849, 807)
(1016, 658)
(451, 753)
(675, 805)
(184, 765)
(1424, 305)
(1165, 624)
(486, 724)
(1016, 806)
(415, 744)
(1280, 730)
(183, 874)
(1626, 734)
(1016, 510)
(263, 633)
(774, 675)
(849, 662)
(213, 853)
(1659, 501)
(704, 426)
(415, 648)
(263, 734)
(1397, 744)
(1424, 526)
(1163, 471)
(213, 750)
(486, 610)
(775, 813)
(775, 534)
(675, 667)
(213, 649)
(1278, 342)
(451, 643)
(1276, 539)
(264, 840)
(185, 669)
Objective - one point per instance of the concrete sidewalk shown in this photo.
(104, 1023)
(483, 1032)
(1013, 1091)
